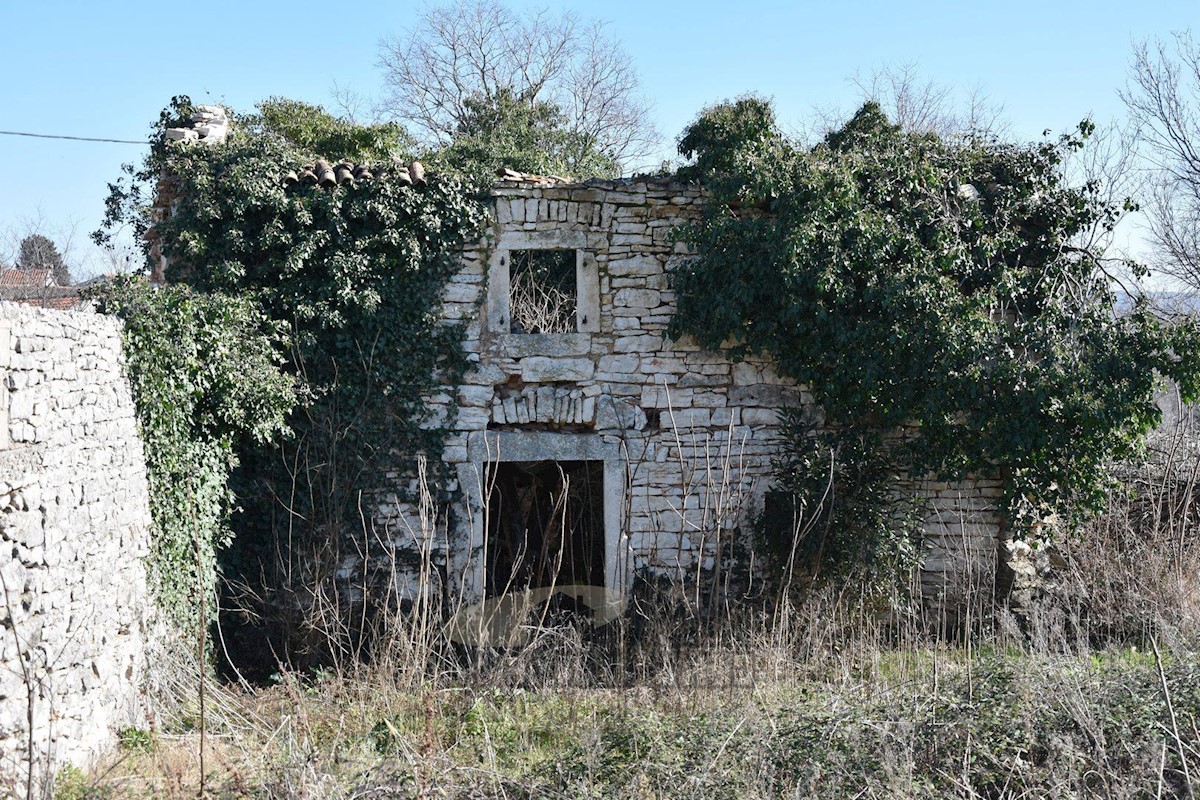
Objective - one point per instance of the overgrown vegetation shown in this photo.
(904, 725)
(207, 379)
(931, 287)
(522, 134)
(344, 279)
(1094, 694)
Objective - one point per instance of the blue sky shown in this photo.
(105, 69)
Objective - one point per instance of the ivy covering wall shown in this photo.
(314, 307)
(942, 300)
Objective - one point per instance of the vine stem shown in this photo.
(1166, 691)
(200, 664)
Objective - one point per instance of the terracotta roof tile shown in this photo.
(323, 174)
(26, 277)
(60, 297)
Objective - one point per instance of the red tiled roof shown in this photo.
(25, 277)
(60, 297)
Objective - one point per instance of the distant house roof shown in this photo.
(42, 295)
(27, 277)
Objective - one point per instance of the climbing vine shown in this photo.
(938, 297)
(206, 378)
(348, 276)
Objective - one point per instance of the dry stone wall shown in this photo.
(687, 435)
(74, 533)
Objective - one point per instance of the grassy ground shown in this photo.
(911, 722)
(1096, 693)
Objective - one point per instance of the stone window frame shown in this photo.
(489, 447)
(587, 287)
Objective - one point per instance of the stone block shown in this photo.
(638, 344)
(613, 413)
(475, 396)
(759, 416)
(540, 369)
(686, 418)
(545, 404)
(637, 266)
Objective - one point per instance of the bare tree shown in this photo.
(923, 106)
(34, 243)
(916, 105)
(1163, 98)
(478, 50)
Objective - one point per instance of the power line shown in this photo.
(72, 138)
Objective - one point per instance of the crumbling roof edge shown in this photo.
(510, 179)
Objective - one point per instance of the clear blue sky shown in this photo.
(105, 69)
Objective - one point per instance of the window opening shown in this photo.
(543, 293)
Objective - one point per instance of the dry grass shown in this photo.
(1092, 691)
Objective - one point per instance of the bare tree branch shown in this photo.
(479, 49)
(1163, 98)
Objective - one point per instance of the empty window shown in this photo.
(543, 293)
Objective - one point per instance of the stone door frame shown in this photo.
(489, 447)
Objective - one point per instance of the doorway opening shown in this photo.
(545, 525)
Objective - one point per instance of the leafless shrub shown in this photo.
(922, 106)
(916, 105)
(1133, 573)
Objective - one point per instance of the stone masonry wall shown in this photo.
(74, 523)
(688, 434)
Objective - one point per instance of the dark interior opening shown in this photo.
(545, 525)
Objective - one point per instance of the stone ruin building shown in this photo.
(585, 442)
(666, 448)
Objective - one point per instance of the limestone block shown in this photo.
(540, 369)
(460, 293)
(693, 379)
(724, 417)
(746, 374)
(638, 344)
(475, 396)
(760, 416)
(636, 266)
(662, 396)
(545, 404)
(557, 345)
(763, 394)
(613, 413)
(687, 418)
(637, 298)
(510, 410)
(485, 375)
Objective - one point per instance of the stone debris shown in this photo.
(505, 175)
(210, 125)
